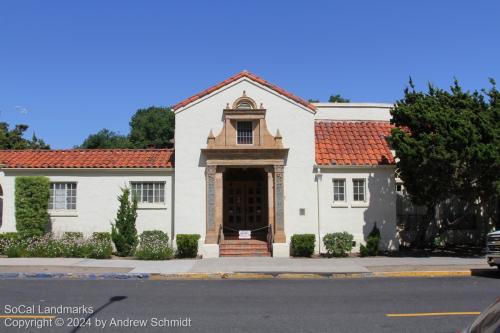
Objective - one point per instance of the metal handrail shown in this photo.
(252, 230)
(270, 238)
(221, 234)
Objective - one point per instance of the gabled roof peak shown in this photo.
(251, 76)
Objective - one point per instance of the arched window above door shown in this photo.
(244, 103)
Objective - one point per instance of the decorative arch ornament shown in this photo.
(244, 103)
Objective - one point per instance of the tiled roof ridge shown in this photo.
(236, 77)
(351, 121)
(87, 150)
(87, 158)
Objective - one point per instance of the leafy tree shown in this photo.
(106, 139)
(123, 231)
(313, 100)
(338, 99)
(14, 138)
(149, 128)
(152, 128)
(448, 144)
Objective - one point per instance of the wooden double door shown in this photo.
(245, 205)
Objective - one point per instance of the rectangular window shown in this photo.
(245, 132)
(149, 192)
(62, 196)
(339, 190)
(358, 189)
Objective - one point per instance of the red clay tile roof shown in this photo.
(87, 158)
(353, 143)
(252, 77)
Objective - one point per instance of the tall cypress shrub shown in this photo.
(123, 231)
(32, 201)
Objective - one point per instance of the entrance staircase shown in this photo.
(244, 248)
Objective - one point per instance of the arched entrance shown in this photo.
(245, 202)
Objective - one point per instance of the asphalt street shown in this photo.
(340, 305)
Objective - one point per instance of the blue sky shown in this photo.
(70, 68)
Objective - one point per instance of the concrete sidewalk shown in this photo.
(242, 265)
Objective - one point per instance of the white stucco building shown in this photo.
(249, 156)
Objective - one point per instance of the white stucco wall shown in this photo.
(353, 111)
(97, 203)
(193, 124)
(355, 218)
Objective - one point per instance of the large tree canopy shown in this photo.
(152, 128)
(106, 139)
(447, 144)
(149, 128)
(14, 138)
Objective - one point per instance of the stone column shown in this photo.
(218, 199)
(211, 235)
(270, 196)
(279, 203)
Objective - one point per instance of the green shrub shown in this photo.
(99, 246)
(6, 239)
(31, 201)
(371, 248)
(123, 232)
(73, 245)
(302, 245)
(102, 236)
(338, 244)
(72, 235)
(153, 245)
(16, 247)
(187, 245)
(44, 247)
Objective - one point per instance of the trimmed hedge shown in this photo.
(31, 201)
(153, 245)
(338, 244)
(187, 245)
(371, 248)
(302, 245)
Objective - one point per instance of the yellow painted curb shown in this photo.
(247, 276)
(433, 314)
(186, 276)
(423, 274)
(349, 275)
(242, 276)
(300, 276)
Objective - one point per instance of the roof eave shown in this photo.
(159, 169)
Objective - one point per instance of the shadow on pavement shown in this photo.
(99, 309)
(492, 273)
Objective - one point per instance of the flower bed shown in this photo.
(70, 245)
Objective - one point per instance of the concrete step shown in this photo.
(243, 242)
(245, 254)
(244, 248)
